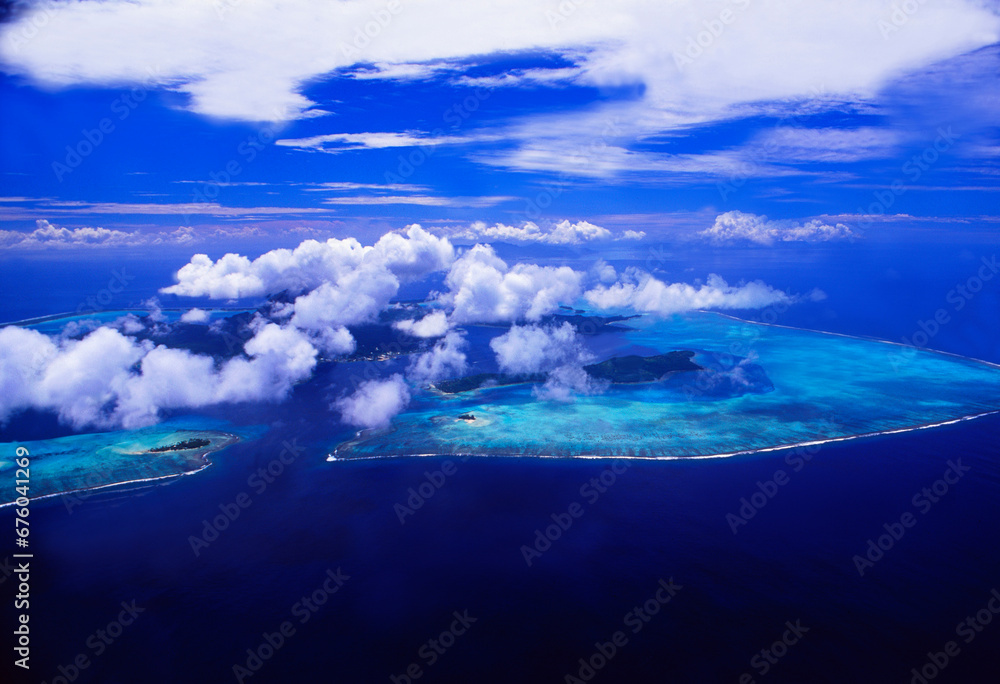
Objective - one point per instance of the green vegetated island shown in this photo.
(630, 369)
(181, 446)
(91, 461)
(816, 387)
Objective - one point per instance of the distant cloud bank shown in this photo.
(561, 233)
(48, 236)
(737, 226)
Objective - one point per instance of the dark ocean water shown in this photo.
(461, 550)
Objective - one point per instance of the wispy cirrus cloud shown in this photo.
(640, 74)
(421, 200)
(791, 144)
(523, 77)
(344, 142)
(350, 185)
(42, 207)
(252, 60)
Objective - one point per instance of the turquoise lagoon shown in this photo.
(92, 461)
(54, 325)
(826, 387)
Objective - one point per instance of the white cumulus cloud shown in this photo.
(536, 348)
(108, 379)
(195, 316)
(565, 382)
(354, 298)
(556, 350)
(445, 360)
(374, 403)
(738, 226)
(333, 341)
(638, 291)
(105, 378)
(411, 254)
(341, 282)
(483, 289)
(432, 325)
(561, 233)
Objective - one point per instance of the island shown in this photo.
(633, 369)
(75, 465)
(629, 369)
(482, 380)
(180, 446)
(760, 387)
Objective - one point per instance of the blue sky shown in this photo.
(368, 116)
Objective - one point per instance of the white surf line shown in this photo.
(359, 434)
(205, 464)
(113, 484)
(608, 457)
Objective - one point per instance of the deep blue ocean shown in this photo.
(781, 600)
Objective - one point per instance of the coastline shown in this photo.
(344, 449)
(202, 455)
(36, 320)
(729, 454)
